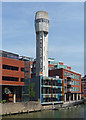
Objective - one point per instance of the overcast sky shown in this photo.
(66, 31)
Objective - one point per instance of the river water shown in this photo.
(78, 112)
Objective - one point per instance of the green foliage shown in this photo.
(32, 92)
(3, 101)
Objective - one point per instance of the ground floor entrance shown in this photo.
(72, 96)
(12, 93)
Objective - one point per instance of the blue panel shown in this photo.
(58, 97)
(41, 98)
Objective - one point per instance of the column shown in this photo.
(14, 98)
(69, 97)
(80, 96)
(65, 97)
(77, 97)
(73, 97)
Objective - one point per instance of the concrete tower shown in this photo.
(42, 28)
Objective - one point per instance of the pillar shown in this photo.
(14, 98)
(77, 97)
(69, 97)
(73, 97)
(80, 96)
(65, 97)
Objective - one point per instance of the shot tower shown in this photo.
(42, 28)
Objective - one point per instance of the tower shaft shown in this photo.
(42, 27)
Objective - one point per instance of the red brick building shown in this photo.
(11, 76)
(72, 83)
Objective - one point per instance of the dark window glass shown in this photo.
(8, 67)
(22, 79)
(42, 20)
(10, 78)
(22, 69)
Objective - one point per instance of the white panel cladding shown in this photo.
(45, 55)
(42, 26)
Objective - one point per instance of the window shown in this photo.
(65, 88)
(22, 69)
(22, 79)
(65, 73)
(31, 65)
(73, 82)
(77, 77)
(65, 81)
(34, 65)
(10, 78)
(8, 67)
(78, 83)
(42, 20)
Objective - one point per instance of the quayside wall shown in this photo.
(32, 106)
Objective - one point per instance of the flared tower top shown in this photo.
(42, 14)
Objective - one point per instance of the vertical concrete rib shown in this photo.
(42, 28)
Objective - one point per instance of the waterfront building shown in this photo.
(83, 86)
(72, 82)
(48, 89)
(12, 76)
(15, 74)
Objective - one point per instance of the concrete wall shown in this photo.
(10, 108)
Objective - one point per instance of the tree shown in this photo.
(32, 92)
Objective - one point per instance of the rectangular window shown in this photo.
(77, 77)
(65, 73)
(73, 82)
(10, 78)
(22, 79)
(22, 69)
(31, 65)
(65, 81)
(64, 88)
(73, 88)
(9, 67)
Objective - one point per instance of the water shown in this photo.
(78, 112)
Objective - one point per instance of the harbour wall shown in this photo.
(32, 106)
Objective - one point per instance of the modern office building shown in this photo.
(48, 89)
(42, 28)
(15, 74)
(83, 86)
(12, 76)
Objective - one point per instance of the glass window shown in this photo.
(65, 81)
(73, 82)
(65, 73)
(31, 65)
(9, 67)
